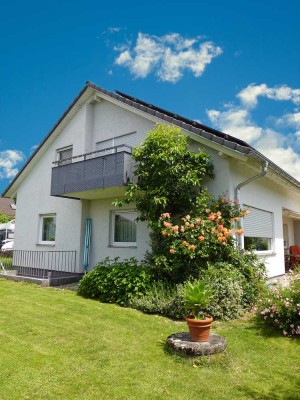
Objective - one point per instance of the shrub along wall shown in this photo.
(114, 281)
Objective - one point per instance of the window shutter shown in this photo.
(258, 223)
(105, 144)
(128, 140)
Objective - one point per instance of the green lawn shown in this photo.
(56, 345)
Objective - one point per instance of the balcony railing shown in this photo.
(110, 167)
(39, 264)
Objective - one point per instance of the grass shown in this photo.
(56, 345)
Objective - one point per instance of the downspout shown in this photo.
(237, 190)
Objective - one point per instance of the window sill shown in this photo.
(265, 253)
(46, 244)
(122, 246)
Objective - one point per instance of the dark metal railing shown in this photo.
(40, 264)
(95, 154)
(110, 167)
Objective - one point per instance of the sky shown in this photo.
(231, 65)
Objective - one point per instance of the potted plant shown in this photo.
(196, 298)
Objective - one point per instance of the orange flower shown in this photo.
(167, 224)
(192, 247)
(201, 238)
(164, 233)
(182, 229)
(185, 243)
(166, 215)
(239, 231)
(192, 225)
(212, 217)
(172, 251)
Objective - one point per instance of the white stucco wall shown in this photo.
(100, 213)
(93, 123)
(101, 121)
(270, 196)
(110, 121)
(33, 200)
(221, 183)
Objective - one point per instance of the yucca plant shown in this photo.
(196, 298)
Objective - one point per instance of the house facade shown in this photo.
(65, 220)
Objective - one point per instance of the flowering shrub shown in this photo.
(281, 307)
(206, 235)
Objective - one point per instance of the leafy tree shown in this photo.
(169, 175)
(190, 229)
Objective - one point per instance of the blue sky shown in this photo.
(232, 65)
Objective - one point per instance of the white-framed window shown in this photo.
(258, 229)
(130, 140)
(123, 228)
(47, 229)
(64, 155)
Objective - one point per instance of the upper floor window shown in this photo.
(258, 227)
(47, 229)
(64, 155)
(115, 144)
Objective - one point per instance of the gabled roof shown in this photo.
(210, 134)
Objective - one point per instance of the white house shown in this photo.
(84, 162)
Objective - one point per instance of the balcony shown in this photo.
(99, 174)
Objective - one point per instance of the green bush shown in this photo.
(225, 283)
(161, 298)
(253, 273)
(115, 281)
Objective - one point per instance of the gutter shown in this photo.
(237, 190)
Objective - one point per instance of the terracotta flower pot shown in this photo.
(199, 328)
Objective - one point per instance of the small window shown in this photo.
(258, 227)
(65, 155)
(47, 229)
(117, 144)
(106, 147)
(123, 232)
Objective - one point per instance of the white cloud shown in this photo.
(169, 56)
(250, 94)
(9, 159)
(236, 122)
(112, 29)
(292, 119)
(33, 148)
(273, 145)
